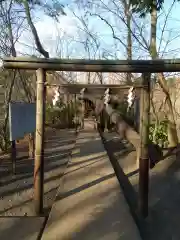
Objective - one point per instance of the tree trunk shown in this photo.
(41, 50)
(172, 132)
(13, 53)
(129, 39)
(34, 31)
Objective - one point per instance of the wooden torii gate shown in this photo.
(133, 66)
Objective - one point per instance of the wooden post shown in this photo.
(106, 122)
(143, 151)
(136, 113)
(31, 145)
(39, 150)
(82, 113)
(75, 112)
(71, 112)
(68, 110)
(13, 156)
(66, 98)
(102, 121)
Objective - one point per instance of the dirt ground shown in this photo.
(164, 193)
(16, 191)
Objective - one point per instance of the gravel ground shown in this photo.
(164, 195)
(16, 191)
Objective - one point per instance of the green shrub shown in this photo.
(158, 132)
(62, 114)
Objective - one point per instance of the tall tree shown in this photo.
(53, 10)
(153, 6)
(128, 14)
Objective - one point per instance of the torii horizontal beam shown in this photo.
(84, 65)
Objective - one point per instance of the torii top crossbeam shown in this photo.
(83, 65)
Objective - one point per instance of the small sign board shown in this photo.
(22, 119)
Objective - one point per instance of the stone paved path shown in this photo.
(90, 203)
